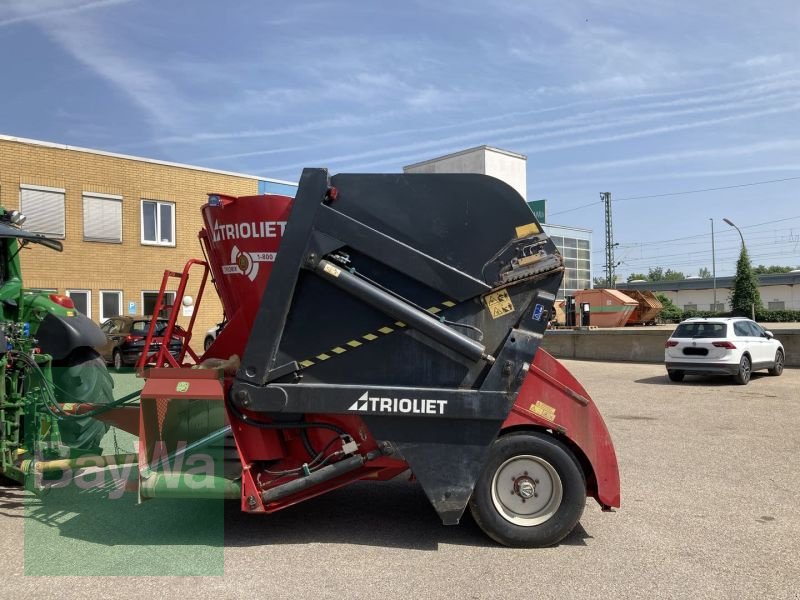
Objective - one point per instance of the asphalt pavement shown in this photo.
(710, 510)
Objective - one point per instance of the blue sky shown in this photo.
(635, 98)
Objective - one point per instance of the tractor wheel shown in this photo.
(742, 376)
(777, 368)
(82, 377)
(675, 375)
(531, 493)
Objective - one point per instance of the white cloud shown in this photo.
(36, 10)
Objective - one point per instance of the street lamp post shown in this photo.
(729, 222)
(713, 266)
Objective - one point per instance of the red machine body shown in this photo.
(241, 238)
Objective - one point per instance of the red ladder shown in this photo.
(162, 357)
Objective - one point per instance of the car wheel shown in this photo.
(742, 376)
(82, 378)
(777, 367)
(207, 343)
(117, 360)
(531, 493)
(675, 375)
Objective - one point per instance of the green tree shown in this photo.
(745, 286)
(669, 313)
(762, 270)
(655, 274)
(633, 276)
(670, 275)
(704, 273)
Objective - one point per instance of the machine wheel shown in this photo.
(531, 493)
(117, 360)
(676, 375)
(742, 376)
(777, 368)
(82, 377)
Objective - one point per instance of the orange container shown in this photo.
(609, 308)
(648, 310)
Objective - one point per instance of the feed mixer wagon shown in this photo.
(380, 325)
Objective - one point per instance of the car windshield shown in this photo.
(140, 327)
(701, 330)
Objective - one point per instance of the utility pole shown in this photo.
(611, 279)
(713, 266)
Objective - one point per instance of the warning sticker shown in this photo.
(499, 304)
(526, 230)
(543, 410)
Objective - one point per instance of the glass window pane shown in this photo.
(110, 303)
(149, 221)
(81, 301)
(165, 232)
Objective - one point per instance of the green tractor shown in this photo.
(47, 359)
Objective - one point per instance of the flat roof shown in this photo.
(166, 163)
(467, 151)
(708, 283)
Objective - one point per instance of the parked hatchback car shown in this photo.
(125, 337)
(722, 346)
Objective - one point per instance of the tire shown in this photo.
(207, 343)
(116, 360)
(533, 464)
(742, 376)
(676, 376)
(82, 377)
(777, 367)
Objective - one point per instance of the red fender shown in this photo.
(552, 398)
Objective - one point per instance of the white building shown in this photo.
(780, 291)
(574, 244)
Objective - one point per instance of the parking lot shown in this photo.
(709, 475)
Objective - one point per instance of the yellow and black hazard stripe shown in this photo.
(368, 337)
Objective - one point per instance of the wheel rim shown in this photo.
(779, 361)
(745, 368)
(117, 360)
(526, 490)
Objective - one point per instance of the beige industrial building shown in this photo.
(122, 220)
(779, 291)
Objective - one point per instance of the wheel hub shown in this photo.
(525, 487)
(526, 490)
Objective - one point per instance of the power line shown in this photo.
(714, 189)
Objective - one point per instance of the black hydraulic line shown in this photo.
(397, 309)
(319, 476)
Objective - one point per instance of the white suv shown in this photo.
(722, 346)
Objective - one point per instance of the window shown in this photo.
(82, 300)
(149, 301)
(102, 218)
(690, 307)
(158, 223)
(741, 329)
(776, 305)
(718, 307)
(44, 209)
(700, 330)
(110, 304)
